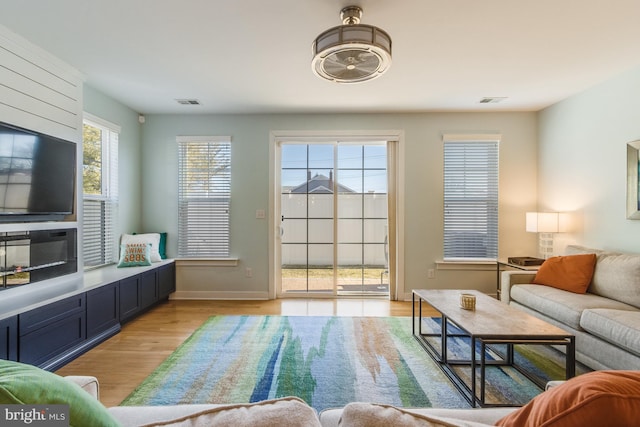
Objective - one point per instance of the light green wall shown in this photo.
(569, 157)
(582, 162)
(423, 187)
(129, 161)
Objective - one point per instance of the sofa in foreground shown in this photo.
(601, 398)
(598, 301)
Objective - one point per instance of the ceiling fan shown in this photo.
(352, 52)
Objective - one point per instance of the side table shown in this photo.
(503, 264)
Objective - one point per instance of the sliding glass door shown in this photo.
(333, 212)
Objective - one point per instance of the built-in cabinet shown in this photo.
(142, 291)
(46, 332)
(166, 280)
(53, 334)
(43, 94)
(103, 310)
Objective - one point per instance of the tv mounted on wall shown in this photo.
(37, 175)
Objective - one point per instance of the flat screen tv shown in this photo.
(37, 175)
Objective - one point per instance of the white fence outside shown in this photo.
(308, 221)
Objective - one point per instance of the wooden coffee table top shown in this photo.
(491, 318)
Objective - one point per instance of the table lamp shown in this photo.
(545, 224)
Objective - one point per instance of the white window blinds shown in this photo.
(100, 191)
(204, 196)
(471, 197)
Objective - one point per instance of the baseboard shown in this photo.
(214, 295)
(67, 356)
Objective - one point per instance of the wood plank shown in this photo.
(126, 359)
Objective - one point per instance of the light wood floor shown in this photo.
(126, 359)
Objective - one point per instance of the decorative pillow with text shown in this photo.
(153, 239)
(133, 254)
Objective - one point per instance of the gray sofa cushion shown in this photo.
(566, 307)
(620, 327)
(617, 276)
(577, 250)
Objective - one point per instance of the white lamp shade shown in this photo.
(543, 222)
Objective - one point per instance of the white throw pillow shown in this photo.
(287, 411)
(361, 414)
(152, 239)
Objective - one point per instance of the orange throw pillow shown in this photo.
(571, 273)
(600, 398)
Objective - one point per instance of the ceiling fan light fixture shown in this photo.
(352, 52)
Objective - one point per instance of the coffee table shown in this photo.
(491, 323)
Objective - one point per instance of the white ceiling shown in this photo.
(254, 56)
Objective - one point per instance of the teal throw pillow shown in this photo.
(133, 254)
(25, 384)
(162, 248)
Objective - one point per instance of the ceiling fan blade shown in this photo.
(351, 64)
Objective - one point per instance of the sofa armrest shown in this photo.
(552, 384)
(87, 383)
(510, 278)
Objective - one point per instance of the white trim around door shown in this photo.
(280, 136)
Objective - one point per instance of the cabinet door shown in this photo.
(48, 331)
(36, 319)
(103, 309)
(166, 280)
(51, 341)
(129, 297)
(148, 289)
(9, 338)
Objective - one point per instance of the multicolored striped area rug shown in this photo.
(327, 361)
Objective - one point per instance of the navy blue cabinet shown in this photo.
(103, 310)
(54, 334)
(166, 280)
(137, 293)
(47, 332)
(148, 289)
(129, 297)
(9, 338)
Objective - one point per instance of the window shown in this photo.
(471, 197)
(204, 195)
(100, 190)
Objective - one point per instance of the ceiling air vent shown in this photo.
(492, 99)
(188, 101)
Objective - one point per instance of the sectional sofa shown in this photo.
(601, 398)
(605, 319)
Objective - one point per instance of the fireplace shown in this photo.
(31, 256)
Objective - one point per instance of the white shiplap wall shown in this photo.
(38, 91)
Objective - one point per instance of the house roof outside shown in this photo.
(319, 184)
